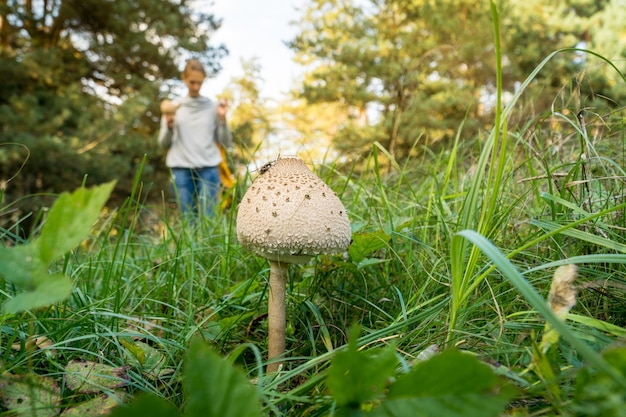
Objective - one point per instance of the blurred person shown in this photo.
(193, 128)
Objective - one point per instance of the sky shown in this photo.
(255, 28)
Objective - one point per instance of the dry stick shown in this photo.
(276, 314)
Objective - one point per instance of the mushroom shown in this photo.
(288, 215)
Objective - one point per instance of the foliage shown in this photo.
(141, 298)
(453, 250)
(213, 388)
(83, 85)
(67, 224)
(548, 26)
(424, 66)
(250, 120)
(448, 384)
(599, 394)
(30, 395)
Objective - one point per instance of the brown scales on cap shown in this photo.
(289, 215)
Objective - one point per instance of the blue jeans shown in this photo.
(196, 188)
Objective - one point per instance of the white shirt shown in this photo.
(197, 130)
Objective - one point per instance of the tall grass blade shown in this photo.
(508, 270)
(485, 186)
(483, 194)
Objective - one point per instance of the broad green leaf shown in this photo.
(90, 377)
(370, 262)
(463, 405)
(364, 244)
(356, 377)
(599, 395)
(49, 289)
(450, 372)
(450, 384)
(18, 265)
(23, 394)
(214, 388)
(146, 405)
(70, 220)
(136, 355)
(146, 358)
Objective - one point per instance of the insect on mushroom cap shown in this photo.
(289, 214)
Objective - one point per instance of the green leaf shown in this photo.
(18, 265)
(596, 393)
(214, 388)
(462, 405)
(451, 384)
(49, 289)
(450, 372)
(146, 358)
(146, 405)
(544, 360)
(70, 220)
(364, 244)
(356, 377)
(136, 355)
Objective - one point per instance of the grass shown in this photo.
(451, 249)
(163, 288)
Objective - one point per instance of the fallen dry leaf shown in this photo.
(90, 377)
(23, 393)
(98, 406)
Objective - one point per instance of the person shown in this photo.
(193, 128)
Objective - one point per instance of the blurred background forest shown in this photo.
(80, 82)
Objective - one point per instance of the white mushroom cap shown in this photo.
(289, 215)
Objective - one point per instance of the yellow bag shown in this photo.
(228, 181)
(226, 177)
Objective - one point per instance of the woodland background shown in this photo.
(81, 81)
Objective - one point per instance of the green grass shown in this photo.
(455, 249)
(163, 288)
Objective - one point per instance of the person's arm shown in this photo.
(165, 133)
(223, 134)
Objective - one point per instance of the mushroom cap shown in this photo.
(289, 214)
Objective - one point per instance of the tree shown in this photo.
(81, 85)
(406, 60)
(250, 119)
(426, 67)
(535, 28)
(309, 128)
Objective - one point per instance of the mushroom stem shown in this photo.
(276, 313)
